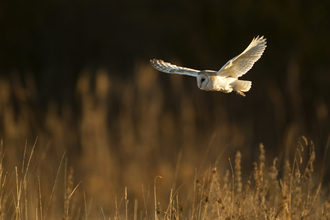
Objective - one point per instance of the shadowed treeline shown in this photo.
(55, 40)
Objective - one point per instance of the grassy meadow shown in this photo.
(136, 149)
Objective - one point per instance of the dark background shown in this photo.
(56, 42)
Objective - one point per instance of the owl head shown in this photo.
(202, 80)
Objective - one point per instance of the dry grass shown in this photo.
(101, 156)
(292, 192)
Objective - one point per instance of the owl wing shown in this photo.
(242, 63)
(173, 69)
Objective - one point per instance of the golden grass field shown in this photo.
(130, 149)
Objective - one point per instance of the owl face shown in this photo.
(202, 81)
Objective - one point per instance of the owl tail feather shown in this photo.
(241, 86)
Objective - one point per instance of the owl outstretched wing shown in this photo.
(173, 69)
(242, 63)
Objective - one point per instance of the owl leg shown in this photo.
(239, 92)
(241, 85)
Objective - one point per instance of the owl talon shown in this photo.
(240, 93)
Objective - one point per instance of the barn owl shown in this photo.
(226, 79)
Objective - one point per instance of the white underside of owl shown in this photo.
(225, 84)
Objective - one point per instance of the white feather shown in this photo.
(242, 63)
(173, 69)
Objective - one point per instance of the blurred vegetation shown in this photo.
(33, 188)
(76, 75)
(124, 133)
